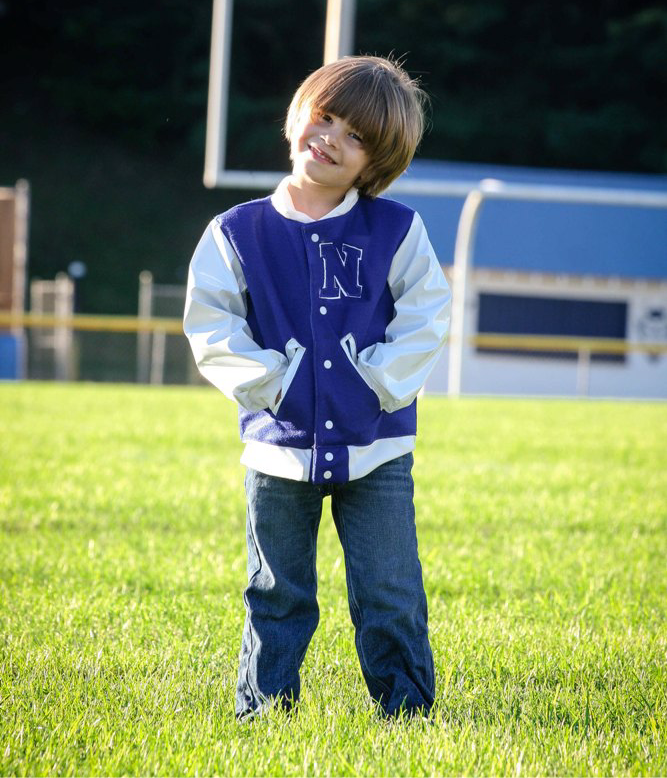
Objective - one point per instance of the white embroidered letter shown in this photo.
(341, 271)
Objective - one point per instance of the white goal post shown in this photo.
(338, 41)
(339, 35)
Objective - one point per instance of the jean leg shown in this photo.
(375, 520)
(282, 614)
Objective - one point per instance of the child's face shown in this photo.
(326, 150)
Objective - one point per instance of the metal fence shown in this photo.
(106, 348)
(102, 348)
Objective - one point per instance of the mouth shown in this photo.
(320, 155)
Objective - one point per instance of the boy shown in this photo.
(321, 310)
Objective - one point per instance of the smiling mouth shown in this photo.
(320, 155)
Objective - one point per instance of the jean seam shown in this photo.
(353, 600)
(255, 695)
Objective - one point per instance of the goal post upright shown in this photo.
(338, 41)
(218, 91)
(339, 30)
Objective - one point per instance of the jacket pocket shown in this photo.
(294, 352)
(349, 346)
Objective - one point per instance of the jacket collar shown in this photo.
(282, 202)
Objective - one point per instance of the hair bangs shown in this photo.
(353, 100)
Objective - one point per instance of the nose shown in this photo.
(329, 138)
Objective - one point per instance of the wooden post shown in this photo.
(14, 212)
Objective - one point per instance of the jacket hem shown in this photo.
(295, 463)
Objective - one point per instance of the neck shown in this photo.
(313, 200)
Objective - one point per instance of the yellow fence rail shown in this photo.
(557, 343)
(92, 323)
(175, 327)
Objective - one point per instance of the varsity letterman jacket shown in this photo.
(323, 331)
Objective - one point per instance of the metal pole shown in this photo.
(463, 250)
(144, 336)
(218, 91)
(583, 371)
(63, 293)
(157, 357)
(339, 32)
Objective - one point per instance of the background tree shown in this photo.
(103, 106)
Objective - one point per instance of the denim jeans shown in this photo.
(375, 521)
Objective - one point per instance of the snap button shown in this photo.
(328, 424)
(327, 363)
(314, 237)
(328, 456)
(327, 473)
(323, 309)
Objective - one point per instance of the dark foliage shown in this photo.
(114, 92)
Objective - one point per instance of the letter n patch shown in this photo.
(341, 271)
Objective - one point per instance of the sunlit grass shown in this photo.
(543, 537)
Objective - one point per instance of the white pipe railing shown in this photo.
(492, 189)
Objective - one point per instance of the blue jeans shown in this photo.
(375, 521)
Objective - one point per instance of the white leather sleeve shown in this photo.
(220, 338)
(398, 368)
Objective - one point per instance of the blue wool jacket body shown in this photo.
(316, 284)
(323, 331)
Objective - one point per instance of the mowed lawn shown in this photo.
(543, 537)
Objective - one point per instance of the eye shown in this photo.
(326, 118)
(356, 137)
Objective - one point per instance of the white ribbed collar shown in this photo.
(282, 202)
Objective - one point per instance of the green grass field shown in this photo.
(543, 536)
